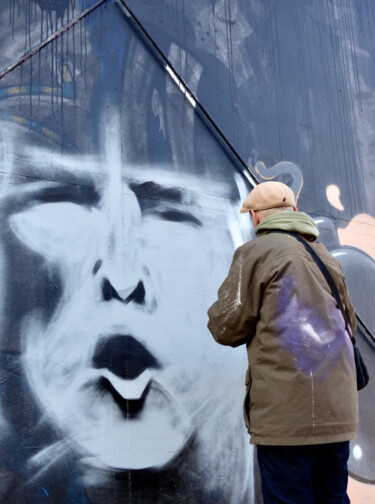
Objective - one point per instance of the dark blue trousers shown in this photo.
(311, 474)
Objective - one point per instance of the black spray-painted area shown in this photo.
(119, 201)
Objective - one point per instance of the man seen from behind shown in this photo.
(301, 406)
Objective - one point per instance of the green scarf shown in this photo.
(299, 222)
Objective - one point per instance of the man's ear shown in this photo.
(253, 218)
(257, 217)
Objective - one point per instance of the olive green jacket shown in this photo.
(300, 383)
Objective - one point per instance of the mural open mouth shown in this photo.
(124, 365)
(127, 372)
(129, 414)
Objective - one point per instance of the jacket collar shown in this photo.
(298, 222)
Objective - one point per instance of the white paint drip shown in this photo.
(237, 302)
(312, 399)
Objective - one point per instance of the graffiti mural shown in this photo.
(119, 216)
(119, 210)
(122, 374)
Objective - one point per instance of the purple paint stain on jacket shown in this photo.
(316, 344)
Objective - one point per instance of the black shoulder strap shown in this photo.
(326, 275)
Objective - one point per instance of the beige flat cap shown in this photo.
(268, 195)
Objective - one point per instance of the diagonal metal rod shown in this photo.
(191, 97)
(56, 34)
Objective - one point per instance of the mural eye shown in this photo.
(178, 216)
(50, 228)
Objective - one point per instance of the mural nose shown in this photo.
(124, 356)
(137, 294)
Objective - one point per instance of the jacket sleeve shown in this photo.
(233, 317)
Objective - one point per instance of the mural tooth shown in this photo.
(128, 389)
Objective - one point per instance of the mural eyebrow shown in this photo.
(154, 191)
(81, 195)
(31, 190)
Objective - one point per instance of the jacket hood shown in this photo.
(298, 222)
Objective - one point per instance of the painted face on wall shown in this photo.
(125, 367)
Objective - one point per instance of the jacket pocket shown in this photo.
(246, 403)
